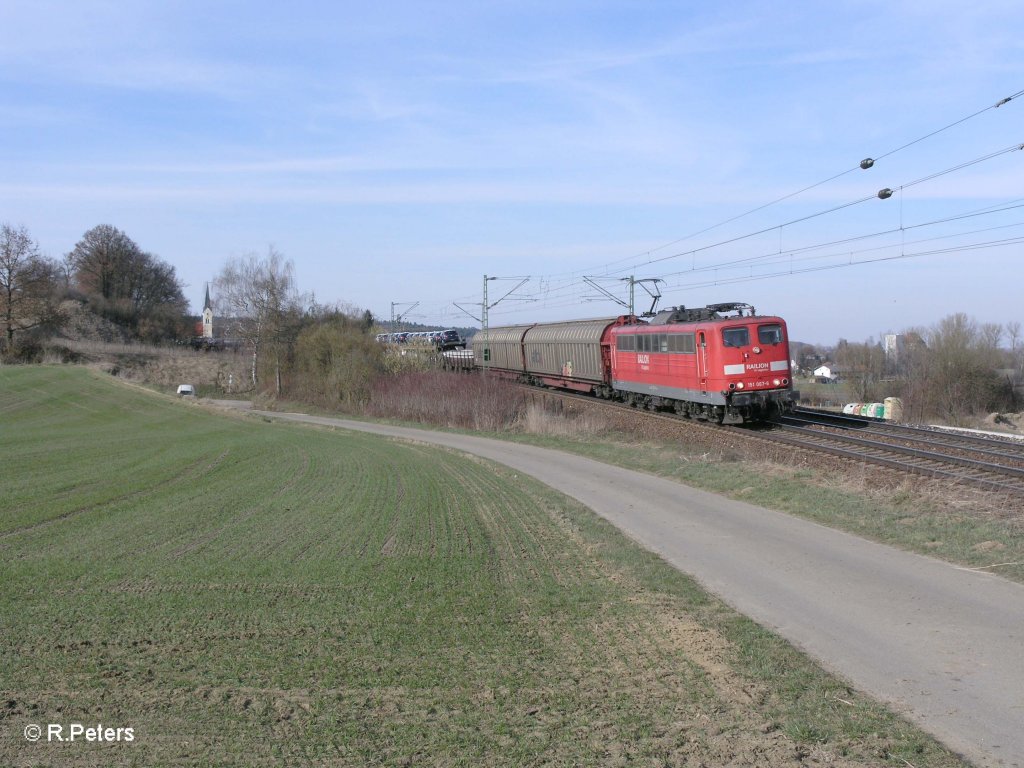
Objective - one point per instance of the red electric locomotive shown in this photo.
(705, 363)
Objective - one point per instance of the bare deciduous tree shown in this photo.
(863, 367)
(27, 282)
(125, 283)
(955, 376)
(991, 335)
(1013, 332)
(258, 299)
(101, 259)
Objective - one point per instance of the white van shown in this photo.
(186, 390)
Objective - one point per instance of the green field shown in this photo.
(245, 593)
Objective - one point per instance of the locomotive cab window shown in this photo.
(625, 343)
(769, 334)
(735, 337)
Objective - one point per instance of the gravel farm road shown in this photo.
(943, 645)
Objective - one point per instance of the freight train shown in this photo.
(722, 363)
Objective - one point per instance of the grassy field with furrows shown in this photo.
(245, 593)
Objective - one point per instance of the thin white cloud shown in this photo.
(417, 129)
(980, 187)
(425, 193)
(328, 165)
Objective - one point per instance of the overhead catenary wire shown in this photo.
(1001, 102)
(882, 194)
(722, 265)
(895, 257)
(862, 165)
(855, 238)
(789, 256)
(930, 177)
(573, 292)
(848, 262)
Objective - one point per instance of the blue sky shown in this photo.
(399, 151)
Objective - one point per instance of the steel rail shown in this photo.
(986, 466)
(871, 424)
(923, 436)
(812, 440)
(903, 466)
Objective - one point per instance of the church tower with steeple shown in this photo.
(207, 316)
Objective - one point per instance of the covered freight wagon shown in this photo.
(568, 354)
(503, 348)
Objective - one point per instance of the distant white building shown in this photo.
(823, 372)
(894, 345)
(897, 345)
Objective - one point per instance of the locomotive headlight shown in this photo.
(739, 385)
(776, 382)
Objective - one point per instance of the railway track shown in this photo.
(991, 464)
(1007, 444)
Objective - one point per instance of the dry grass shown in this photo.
(101, 349)
(456, 400)
(164, 367)
(448, 400)
(539, 420)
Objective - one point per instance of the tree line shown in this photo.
(296, 346)
(106, 270)
(327, 354)
(955, 368)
